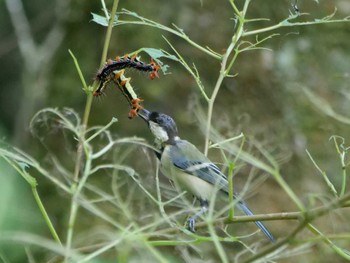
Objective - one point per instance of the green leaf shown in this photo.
(103, 21)
(159, 53)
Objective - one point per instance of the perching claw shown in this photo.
(192, 220)
(190, 224)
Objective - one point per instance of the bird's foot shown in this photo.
(190, 224)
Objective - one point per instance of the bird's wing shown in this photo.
(186, 157)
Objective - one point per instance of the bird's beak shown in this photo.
(144, 114)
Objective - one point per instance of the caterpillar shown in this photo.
(104, 75)
(125, 87)
(101, 87)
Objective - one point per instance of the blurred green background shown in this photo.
(265, 100)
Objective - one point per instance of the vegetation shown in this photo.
(94, 177)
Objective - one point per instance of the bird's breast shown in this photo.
(185, 181)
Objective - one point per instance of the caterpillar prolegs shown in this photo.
(124, 85)
(106, 73)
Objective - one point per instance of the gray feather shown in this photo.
(190, 160)
(186, 157)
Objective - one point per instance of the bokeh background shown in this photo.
(265, 100)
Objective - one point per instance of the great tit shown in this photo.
(189, 168)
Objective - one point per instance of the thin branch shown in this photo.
(287, 23)
(300, 216)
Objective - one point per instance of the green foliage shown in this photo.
(118, 212)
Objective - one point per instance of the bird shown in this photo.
(188, 167)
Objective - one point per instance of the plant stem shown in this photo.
(309, 215)
(148, 22)
(213, 96)
(33, 184)
(307, 218)
(109, 32)
(286, 23)
(46, 216)
(223, 74)
(76, 188)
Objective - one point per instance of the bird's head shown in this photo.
(162, 126)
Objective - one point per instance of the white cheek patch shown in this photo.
(158, 132)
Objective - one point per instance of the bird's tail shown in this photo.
(243, 206)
